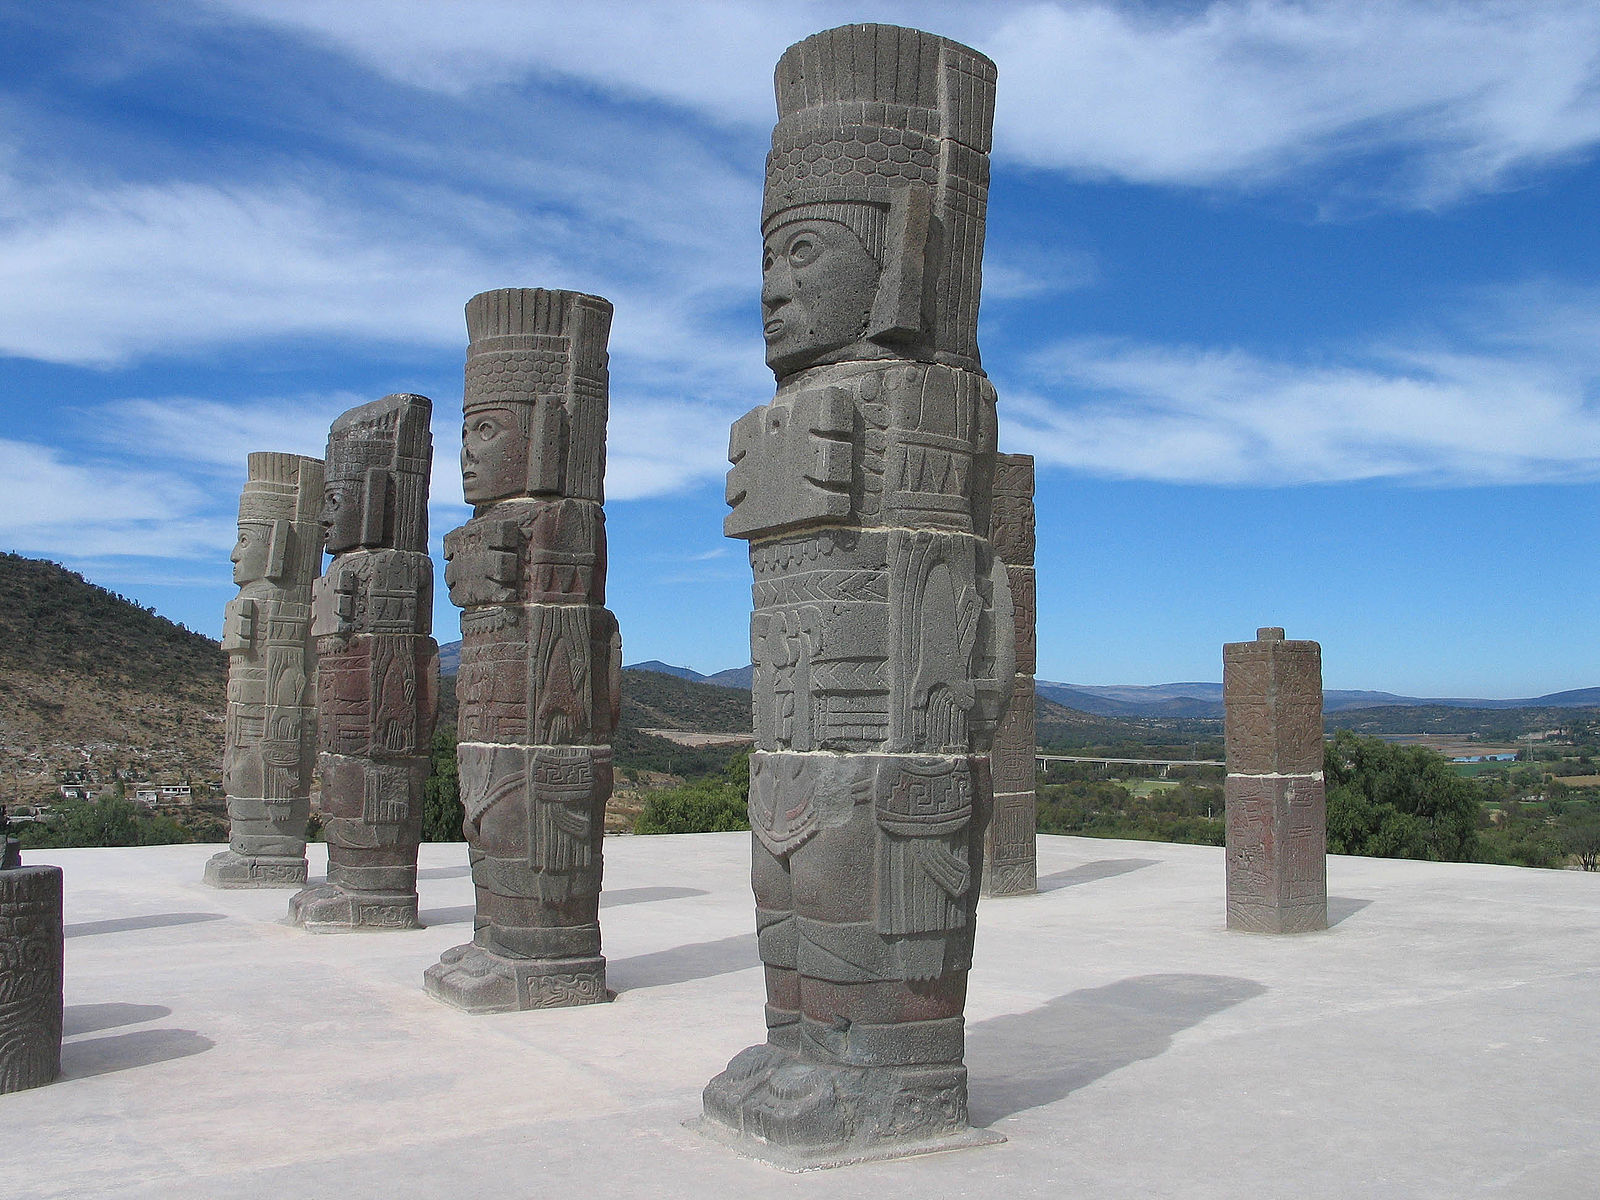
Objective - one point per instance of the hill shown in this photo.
(86, 674)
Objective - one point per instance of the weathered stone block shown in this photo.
(1277, 829)
(1011, 519)
(30, 977)
(1272, 694)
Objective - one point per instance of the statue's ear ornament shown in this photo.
(898, 313)
(374, 506)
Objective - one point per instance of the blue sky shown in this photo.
(1297, 305)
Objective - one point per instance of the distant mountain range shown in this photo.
(1185, 700)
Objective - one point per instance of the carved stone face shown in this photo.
(250, 552)
(818, 283)
(494, 456)
(341, 515)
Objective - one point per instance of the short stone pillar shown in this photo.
(30, 977)
(1277, 812)
(1010, 859)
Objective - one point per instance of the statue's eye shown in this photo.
(802, 250)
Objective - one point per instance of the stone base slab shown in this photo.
(329, 908)
(476, 980)
(795, 1161)
(231, 869)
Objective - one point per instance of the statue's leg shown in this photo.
(729, 1095)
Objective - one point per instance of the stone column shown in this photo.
(882, 635)
(30, 976)
(541, 658)
(271, 722)
(1010, 860)
(377, 668)
(1277, 814)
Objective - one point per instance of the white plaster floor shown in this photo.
(1438, 1041)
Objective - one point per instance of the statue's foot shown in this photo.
(480, 981)
(726, 1096)
(330, 908)
(822, 1112)
(230, 869)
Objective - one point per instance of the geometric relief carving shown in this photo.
(541, 657)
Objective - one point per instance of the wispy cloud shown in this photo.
(1459, 97)
(1451, 99)
(102, 508)
(1517, 408)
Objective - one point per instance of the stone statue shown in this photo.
(1277, 812)
(882, 636)
(30, 975)
(271, 723)
(1010, 861)
(377, 667)
(541, 658)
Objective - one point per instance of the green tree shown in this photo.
(704, 806)
(1389, 801)
(1582, 838)
(109, 821)
(442, 813)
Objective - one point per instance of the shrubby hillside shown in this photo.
(82, 666)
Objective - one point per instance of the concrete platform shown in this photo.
(1438, 1041)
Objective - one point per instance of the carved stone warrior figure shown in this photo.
(1010, 860)
(266, 635)
(882, 634)
(377, 668)
(30, 976)
(541, 657)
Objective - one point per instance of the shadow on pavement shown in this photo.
(91, 1018)
(644, 895)
(444, 872)
(1342, 907)
(1105, 868)
(697, 960)
(122, 1051)
(638, 895)
(154, 921)
(1025, 1060)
